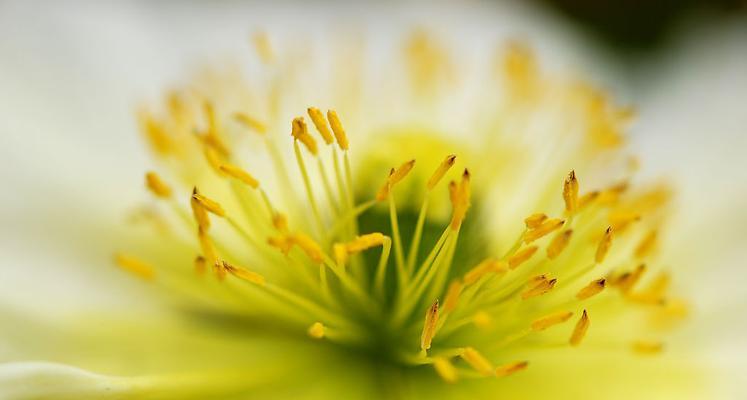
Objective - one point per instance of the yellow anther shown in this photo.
(238, 173)
(520, 256)
(587, 199)
(539, 289)
(535, 220)
(401, 172)
(460, 197)
(156, 133)
(481, 319)
(511, 368)
(200, 265)
(207, 247)
(263, 47)
(580, 330)
(280, 222)
(201, 215)
(300, 132)
(383, 192)
(446, 164)
(628, 280)
(570, 193)
(365, 242)
(321, 124)
(244, 274)
(545, 228)
(156, 185)
(250, 122)
(214, 159)
(559, 243)
(604, 246)
(309, 246)
(210, 205)
(429, 326)
(212, 138)
(621, 220)
(445, 369)
(452, 295)
(135, 266)
(591, 289)
(535, 280)
(647, 347)
(477, 361)
(654, 292)
(282, 243)
(341, 253)
(547, 321)
(646, 245)
(482, 269)
(337, 129)
(316, 330)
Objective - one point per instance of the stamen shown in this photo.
(646, 245)
(207, 247)
(570, 193)
(280, 222)
(626, 281)
(543, 229)
(521, 256)
(200, 265)
(383, 192)
(401, 172)
(477, 361)
(309, 246)
(135, 266)
(647, 348)
(580, 330)
(156, 185)
(210, 205)
(591, 289)
(559, 243)
(452, 295)
(300, 132)
(587, 199)
(535, 220)
(540, 288)
(341, 254)
(553, 319)
(201, 215)
(511, 368)
(460, 198)
(604, 246)
(282, 243)
(244, 274)
(250, 122)
(321, 124)
(446, 164)
(214, 159)
(429, 327)
(365, 242)
(238, 173)
(481, 319)
(340, 136)
(316, 330)
(263, 47)
(445, 369)
(482, 269)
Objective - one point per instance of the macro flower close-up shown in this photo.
(238, 201)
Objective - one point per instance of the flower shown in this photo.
(436, 262)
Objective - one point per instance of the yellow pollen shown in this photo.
(282, 243)
(580, 330)
(309, 246)
(238, 173)
(321, 124)
(341, 253)
(445, 369)
(250, 122)
(570, 193)
(280, 222)
(429, 326)
(647, 348)
(482, 269)
(535, 220)
(508, 369)
(340, 136)
(646, 245)
(135, 266)
(477, 361)
(365, 242)
(621, 220)
(452, 295)
(214, 159)
(460, 199)
(201, 215)
(207, 247)
(244, 274)
(316, 330)
(156, 185)
(547, 321)
(627, 280)
(591, 289)
(300, 132)
(587, 199)
(481, 319)
(200, 265)
(543, 229)
(383, 192)
(401, 172)
(604, 246)
(559, 243)
(540, 288)
(446, 164)
(209, 205)
(517, 259)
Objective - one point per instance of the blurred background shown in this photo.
(72, 74)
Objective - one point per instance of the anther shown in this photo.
(445, 165)
(429, 326)
(580, 330)
(547, 321)
(156, 185)
(591, 289)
